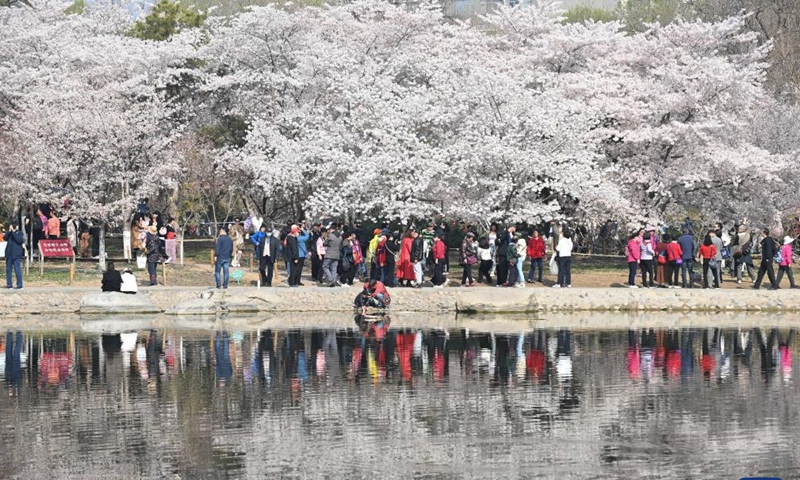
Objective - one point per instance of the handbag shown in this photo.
(712, 263)
(141, 261)
(662, 259)
(471, 259)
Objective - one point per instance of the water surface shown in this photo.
(386, 402)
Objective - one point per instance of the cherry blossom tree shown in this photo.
(89, 112)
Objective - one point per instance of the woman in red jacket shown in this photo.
(439, 251)
(674, 255)
(707, 253)
(536, 252)
(405, 269)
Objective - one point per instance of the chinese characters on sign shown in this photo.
(59, 248)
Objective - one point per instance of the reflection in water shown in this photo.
(437, 403)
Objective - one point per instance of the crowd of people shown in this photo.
(338, 255)
(671, 259)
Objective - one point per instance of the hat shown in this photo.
(152, 229)
(470, 234)
(377, 231)
(385, 231)
(128, 270)
(787, 240)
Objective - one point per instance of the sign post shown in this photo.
(57, 248)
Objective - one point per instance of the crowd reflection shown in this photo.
(375, 351)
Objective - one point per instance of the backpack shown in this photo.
(747, 248)
(778, 254)
(37, 222)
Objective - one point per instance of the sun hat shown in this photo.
(152, 229)
(787, 240)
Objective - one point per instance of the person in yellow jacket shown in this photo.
(371, 250)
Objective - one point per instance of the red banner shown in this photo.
(59, 248)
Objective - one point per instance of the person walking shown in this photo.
(15, 251)
(768, 252)
(469, 258)
(786, 263)
(564, 251)
(223, 252)
(686, 242)
(634, 253)
(536, 252)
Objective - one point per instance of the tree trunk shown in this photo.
(102, 242)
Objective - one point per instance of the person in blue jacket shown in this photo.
(15, 251)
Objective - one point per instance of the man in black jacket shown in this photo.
(293, 254)
(417, 254)
(112, 280)
(268, 247)
(767, 256)
(503, 241)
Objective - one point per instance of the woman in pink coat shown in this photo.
(634, 254)
(786, 262)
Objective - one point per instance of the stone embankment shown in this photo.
(176, 301)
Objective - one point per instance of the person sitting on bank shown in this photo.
(129, 284)
(112, 280)
(373, 295)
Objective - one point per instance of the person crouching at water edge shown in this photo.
(374, 295)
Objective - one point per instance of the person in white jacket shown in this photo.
(564, 252)
(129, 284)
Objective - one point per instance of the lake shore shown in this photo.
(197, 301)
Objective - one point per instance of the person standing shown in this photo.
(15, 251)
(768, 252)
(268, 248)
(439, 251)
(707, 254)
(718, 244)
(485, 257)
(405, 267)
(522, 252)
(53, 225)
(468, 259)
(293, 252)
(417, 257)
(512, 258)
(536, 252)
(303, 237)
(786, 263)
(646, 260)
(564, 250)
(634, 254)
(686, 242)
(674, 261)
(503, 242)
(333, 248)
(153, 245)
(72, 233)
(223, 253)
